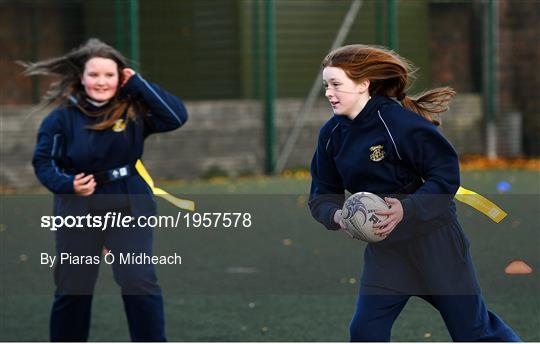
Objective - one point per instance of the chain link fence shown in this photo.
(214, 55)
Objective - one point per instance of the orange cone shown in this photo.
(518, 267)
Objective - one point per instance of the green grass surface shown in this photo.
(284, 279)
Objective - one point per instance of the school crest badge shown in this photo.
(377, 153)
(119, 126)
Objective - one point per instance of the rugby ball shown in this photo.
(359, 215)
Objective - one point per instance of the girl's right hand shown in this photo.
(84, 185)
(127, 74)
(338, 218)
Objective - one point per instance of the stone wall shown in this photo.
(220, 137)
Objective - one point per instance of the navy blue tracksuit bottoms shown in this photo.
(466, 317)
(143, 303)
(437, 267)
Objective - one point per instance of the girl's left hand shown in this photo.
(127, 73)
(395, 215)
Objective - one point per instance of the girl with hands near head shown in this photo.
(85, 154)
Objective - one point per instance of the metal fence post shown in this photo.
(270, 87)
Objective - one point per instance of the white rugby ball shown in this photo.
(359, 215)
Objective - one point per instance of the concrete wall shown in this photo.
(220, 137)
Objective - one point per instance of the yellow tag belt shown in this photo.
(180, 203)
(466, 196)
(481, 204)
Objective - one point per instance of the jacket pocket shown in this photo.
(460, 241)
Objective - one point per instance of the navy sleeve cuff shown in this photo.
(133, 85)
(69, 187)
(409, 209)
(331, 224)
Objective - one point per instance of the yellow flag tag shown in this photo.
(481, 204)
(178, 202)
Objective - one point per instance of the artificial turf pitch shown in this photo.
(283, 279)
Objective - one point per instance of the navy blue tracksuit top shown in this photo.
(385, 148)
(66, 147)
(409, 147)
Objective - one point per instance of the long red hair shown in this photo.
(390, 75)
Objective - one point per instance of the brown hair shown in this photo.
(70, 68)
(390, 75)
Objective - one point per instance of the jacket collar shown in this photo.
(87, 104)
(373, 104)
